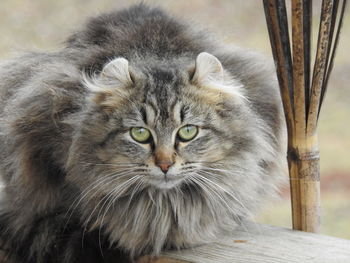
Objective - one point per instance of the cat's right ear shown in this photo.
(118, 70)
(112, 85)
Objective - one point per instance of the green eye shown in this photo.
(140, 134)
(188, 132)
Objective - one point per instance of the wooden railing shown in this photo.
(262, 244)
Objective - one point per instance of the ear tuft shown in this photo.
(208, 68)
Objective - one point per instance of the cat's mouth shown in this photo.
(165, 181)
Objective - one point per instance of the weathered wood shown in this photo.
(149, 259)
(266, 244)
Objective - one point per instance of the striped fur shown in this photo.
(78, 188)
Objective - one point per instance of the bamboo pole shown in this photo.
(301, 100)
(298, 146)
(303, 155)
(334, 45)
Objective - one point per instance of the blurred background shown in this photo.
(44, 25)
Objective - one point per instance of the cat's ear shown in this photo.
(117, 69)
(210, 76)
(112, 85)
(207, 69)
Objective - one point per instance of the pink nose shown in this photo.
(165, 166)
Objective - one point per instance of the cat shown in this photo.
(142, 133)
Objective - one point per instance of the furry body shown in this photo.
(65, 156)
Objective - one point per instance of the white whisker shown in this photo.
(218, 194)
(246, 210)
(97, 184)
(224, 190)
(110, 194)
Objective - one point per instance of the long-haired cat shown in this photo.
(141, 134)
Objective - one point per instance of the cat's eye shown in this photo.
(187, 133)
(140, 134)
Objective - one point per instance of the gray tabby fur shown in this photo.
(67, 160)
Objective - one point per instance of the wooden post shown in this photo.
(302, 96)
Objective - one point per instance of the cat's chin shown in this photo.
(164, 182)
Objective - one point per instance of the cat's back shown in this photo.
(138, 32)
(14, 73)
(21, 73)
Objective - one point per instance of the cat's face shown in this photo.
(164, 126)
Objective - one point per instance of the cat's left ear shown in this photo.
(209, 75)
(207, 69)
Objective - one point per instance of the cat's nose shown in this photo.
(164, 158)
(164, 166)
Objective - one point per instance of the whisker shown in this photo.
(224, 190)
(246, 210)
(96, 206)
(98, 183)
(136, 188)
(221, 170)
(209, 195)
(234, 213)
(218, 194)
(109, 194)
(109, 200)
(114, 197)
(115, 164)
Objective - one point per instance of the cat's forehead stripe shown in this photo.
(143, 114)
(150, 114)
(162, 90)
(176, 110)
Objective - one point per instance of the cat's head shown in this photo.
(163, 124)
(156, 135)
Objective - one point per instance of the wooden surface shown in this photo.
(266, 244)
